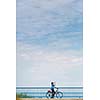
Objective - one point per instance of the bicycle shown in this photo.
(57, 93)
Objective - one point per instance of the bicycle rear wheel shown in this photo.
(49, 94)
(59, 94)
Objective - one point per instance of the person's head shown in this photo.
(52, 83)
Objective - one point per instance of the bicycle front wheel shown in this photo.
(59, 94)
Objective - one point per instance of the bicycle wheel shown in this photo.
(59, 94)
(49, 95)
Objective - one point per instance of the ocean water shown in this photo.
(36, 92)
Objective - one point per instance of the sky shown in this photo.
(49, 36)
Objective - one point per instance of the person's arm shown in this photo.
(56, 87)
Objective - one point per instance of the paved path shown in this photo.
(46, 99)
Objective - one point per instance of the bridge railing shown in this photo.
(40, 92)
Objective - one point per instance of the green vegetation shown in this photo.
(22, 95)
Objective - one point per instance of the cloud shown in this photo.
(56, 42)
(49, 42)
(47, 66)
(35, 17)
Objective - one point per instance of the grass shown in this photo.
(21, 95)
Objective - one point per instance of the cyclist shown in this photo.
(52, 89)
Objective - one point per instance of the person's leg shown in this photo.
(53, 93)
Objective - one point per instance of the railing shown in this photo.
(40, 92)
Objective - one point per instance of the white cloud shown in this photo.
(37, 63)
(47, 16)
(41, 65)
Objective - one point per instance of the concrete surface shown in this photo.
(46, 99)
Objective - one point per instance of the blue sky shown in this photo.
(49, 42)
